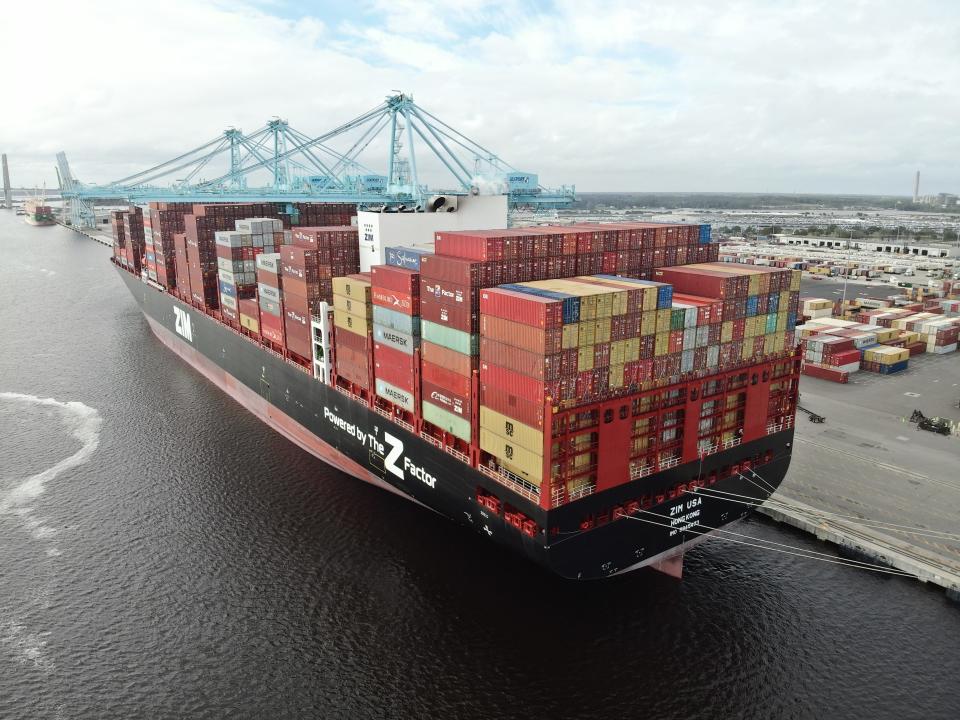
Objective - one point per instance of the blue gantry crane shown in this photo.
(280, 163)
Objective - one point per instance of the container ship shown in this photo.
(37, 213)
(595, 397)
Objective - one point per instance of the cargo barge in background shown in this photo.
(560, 390)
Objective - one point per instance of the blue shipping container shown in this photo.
(895, 368)
(704, 234)
(404, 257)
(228, 289)
(791, 321)
(773, 303)
(752, 305)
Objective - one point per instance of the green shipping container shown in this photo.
(677, 317)
(454, 425)
(457, 340)
(771, 323)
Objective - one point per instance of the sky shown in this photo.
(832, 96)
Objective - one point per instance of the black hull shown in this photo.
(349, 435)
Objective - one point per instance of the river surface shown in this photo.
(165, 555)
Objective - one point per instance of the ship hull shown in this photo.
(35, 221)
(347, 434)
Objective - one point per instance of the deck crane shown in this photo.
(279, 163)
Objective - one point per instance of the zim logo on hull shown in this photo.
(182, 324)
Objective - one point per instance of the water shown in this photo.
(163, 554)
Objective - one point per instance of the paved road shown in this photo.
(868, 461)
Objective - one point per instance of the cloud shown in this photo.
(632, 95)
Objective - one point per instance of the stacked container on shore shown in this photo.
(395, 297)
(353, 330)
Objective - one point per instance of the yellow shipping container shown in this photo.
(352, 287)
(513, 457)
(747, 351)
(601, 333)
(769, 343)
(663, 320)
(648, 323)
(778, 342)
(781, 322)
(784, 300)
(754, 285)
(618, 352)
(726, 331)
(588, 333)
(795, 278)
(353, 306)
(662, 344)
(886, 355)
(506, 427)
(615, 376)
(884, 334)
(570, 336)
(585, 358)
(250, 323)
(631, 350)
(352, 323)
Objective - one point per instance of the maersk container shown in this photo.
(396, 339)
(397, 396)
(457, 426)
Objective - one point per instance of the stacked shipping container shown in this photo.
(237, 253)
(588, 340)
(395, 297)
(270, 298)
(353, 334)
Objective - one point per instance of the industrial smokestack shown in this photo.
(916, 188)
(7, 196)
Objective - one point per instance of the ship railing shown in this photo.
(774, 428)
(709, 449)
(669, 462)
(557, 496)
(462, 457)
(788, 423)
(640, 471)
(430, 439)
(514, 482)
(346, 392)
(733, 442)
(581, 492)
(393, 418)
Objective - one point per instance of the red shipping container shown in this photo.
(526, 387)
(393, 366)
(446, 399)
(395, 300)
(450, 293)
(400, 279)
(825, 373)
(299, 257)
(445, 357)
(843, 358)
(445, 377)
(506, 403)
(249, 307)
(459, 317)
(271, 327)
(532, 310)
(541, 367)
(470, 273)
(544, 342)
(353, 341)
